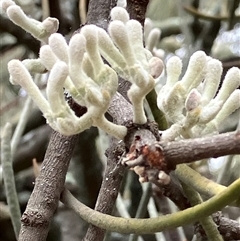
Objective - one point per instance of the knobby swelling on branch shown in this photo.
(191, 107)
(165, 155)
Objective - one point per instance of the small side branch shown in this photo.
(187, 151)
(8, 176)
(166, 156)
(152, 225)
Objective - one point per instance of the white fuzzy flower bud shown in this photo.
(77, 49)
(119, 35)
(34, 65)
(173, 69)
(153, 39)
(212, 79)
(5, 4)
(173, 103)
(135, 34)
(231, 104)
(16, 14)
(55, 84)
(47, 57)
(230, 83)
(59, 46)
(119, 13)
(122, 3)
(210, 111)
(20, 75)
(90, 33)
(159, 53)
(193, 100)
(156, 67)
(195, 71)
(148, 26)
(110, 52)
(50, 25)
(39, 30)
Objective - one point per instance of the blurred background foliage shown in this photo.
(186, 26)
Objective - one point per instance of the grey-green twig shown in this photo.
(207, 223)
(152, 225)
(200, 183)
(8, 178)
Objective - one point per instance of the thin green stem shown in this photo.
(152, 225)
(198, 182)
(207, 223)
(157, 114)
(21, 125)
(8, 177)
(193, 11)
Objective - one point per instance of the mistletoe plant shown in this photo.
(78, 68)
(88, 68)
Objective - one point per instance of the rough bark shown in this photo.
(164, 156)
(187, 151)
(109, 189)
(120, 110)
(137, 9)
(48, 187)
(229, 229)
(99, 12)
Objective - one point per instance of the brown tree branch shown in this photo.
(137, 9)
(109, 189)
(228, 228)
(166, 155)
(120, 110)
(48, 187)
(187, 151)
(99, 12)
(173, 190)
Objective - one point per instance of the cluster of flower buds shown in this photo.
(197, 105)
(39, 30)
(78, 67)
(152, 37)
